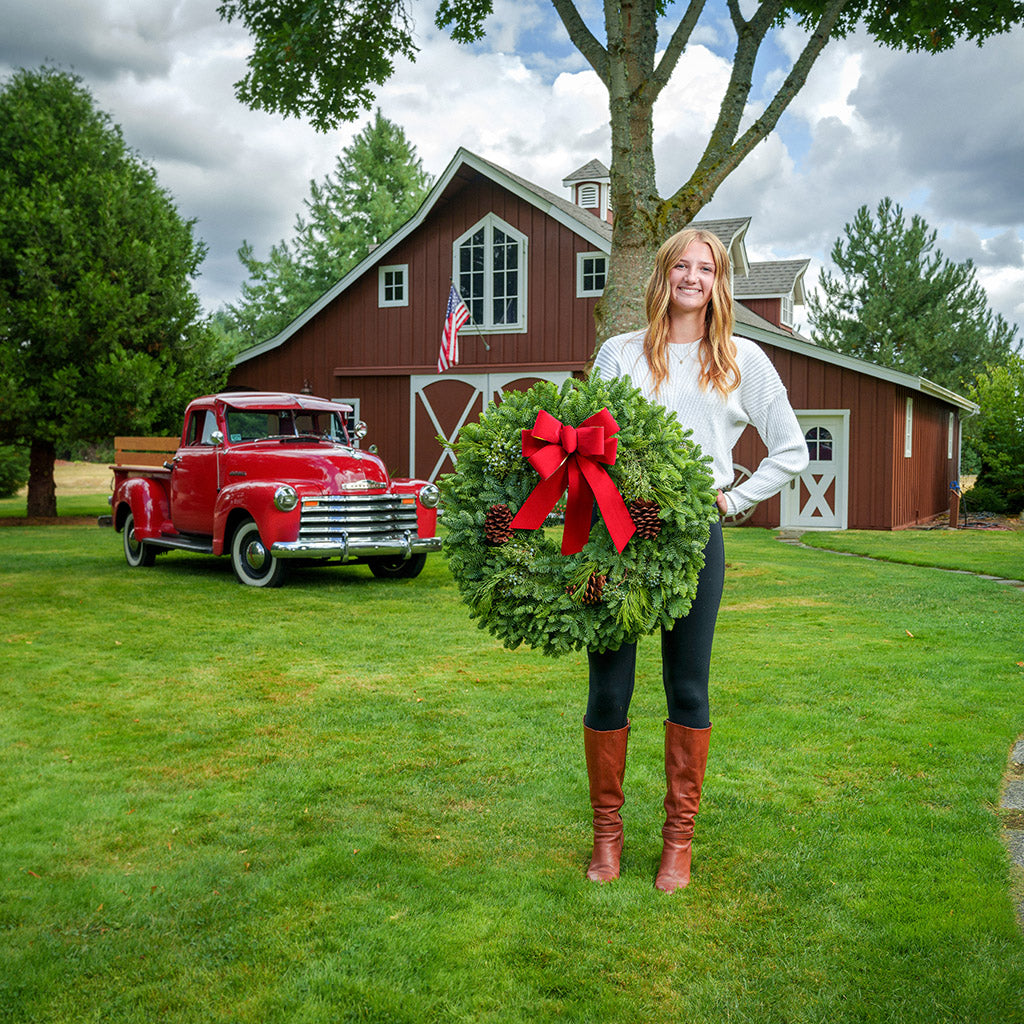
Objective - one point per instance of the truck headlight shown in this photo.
(285, 498)
(430, 495)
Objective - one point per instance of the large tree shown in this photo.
(101, 332)
(322, 58)
(897, 301)
(378, 183)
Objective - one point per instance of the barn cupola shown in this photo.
(590, 187)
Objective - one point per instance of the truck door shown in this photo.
(194, 478)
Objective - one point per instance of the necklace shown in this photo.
(676, 347)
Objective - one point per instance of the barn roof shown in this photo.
(462, 168)
(592, 171)
(771, 280)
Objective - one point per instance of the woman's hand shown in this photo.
(720, 502)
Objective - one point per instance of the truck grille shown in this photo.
(370, 516)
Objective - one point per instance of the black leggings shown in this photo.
(685, 658)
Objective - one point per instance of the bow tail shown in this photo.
(579, 508)
(613, 509)
(541, 500)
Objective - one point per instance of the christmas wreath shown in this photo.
(612, 450)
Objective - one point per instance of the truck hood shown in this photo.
(333, 469)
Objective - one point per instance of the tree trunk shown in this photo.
(632, 36)
(42, 491)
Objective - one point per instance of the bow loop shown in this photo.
(573, 458)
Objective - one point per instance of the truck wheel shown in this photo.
(397, 568)
(136, 552)
(251, 559)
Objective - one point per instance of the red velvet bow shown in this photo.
(572, 457)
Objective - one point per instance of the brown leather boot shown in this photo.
(686, 757)
(606, 765)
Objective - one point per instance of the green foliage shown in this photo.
(377, 185)
(101, 332)
(898, 302)
(996, 435)
(527, 591)
(13, 469)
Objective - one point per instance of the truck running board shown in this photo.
(204, 547)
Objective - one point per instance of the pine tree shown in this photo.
(377, 185)
(897, 301)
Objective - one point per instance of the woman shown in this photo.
(688, 360)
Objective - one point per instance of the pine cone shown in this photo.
(594, 589)
(645, 517)
(496, 525)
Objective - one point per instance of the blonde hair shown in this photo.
(718, 366)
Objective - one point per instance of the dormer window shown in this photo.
(786, 310)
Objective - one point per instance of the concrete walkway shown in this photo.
(1011, 804)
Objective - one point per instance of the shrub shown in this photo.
(13, 469)
(984, 497)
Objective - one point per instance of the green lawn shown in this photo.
(992, 552)
(340, 801)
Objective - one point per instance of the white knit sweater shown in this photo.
(718, 421)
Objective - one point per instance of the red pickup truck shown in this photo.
(269, 478)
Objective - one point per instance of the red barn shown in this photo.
(530, 266)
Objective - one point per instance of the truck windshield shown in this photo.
(254, 424)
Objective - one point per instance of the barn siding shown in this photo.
(886, 490)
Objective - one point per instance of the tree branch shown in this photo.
(724, 151)
(582, 38)
(676, 46)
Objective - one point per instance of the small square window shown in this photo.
(591, 273)
(393, 286)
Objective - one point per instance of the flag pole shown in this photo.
(451, 281)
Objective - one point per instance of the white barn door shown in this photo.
(817, 499)
(441, 403)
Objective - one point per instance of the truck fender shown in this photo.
(148, 502)
(253, 500)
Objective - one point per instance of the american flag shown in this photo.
(455, 317)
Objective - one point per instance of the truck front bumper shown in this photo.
(404, 546)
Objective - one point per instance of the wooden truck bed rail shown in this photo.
(143, 453)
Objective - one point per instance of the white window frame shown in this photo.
(382, 272)
(582, 292)
(485, 324)
(949, 435)
(354, 402)
(786, 310)
(908, 429)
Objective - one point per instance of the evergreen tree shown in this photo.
(101, 332)
(377, 185)
(897, 301)
(996, 435)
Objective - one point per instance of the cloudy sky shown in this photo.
(942, 135)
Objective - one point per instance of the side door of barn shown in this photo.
(441, 404)
(818, 499)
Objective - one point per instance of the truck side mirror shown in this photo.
(217, 438)
(359, 430)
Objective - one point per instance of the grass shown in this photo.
(991, 552)
(341, 801)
